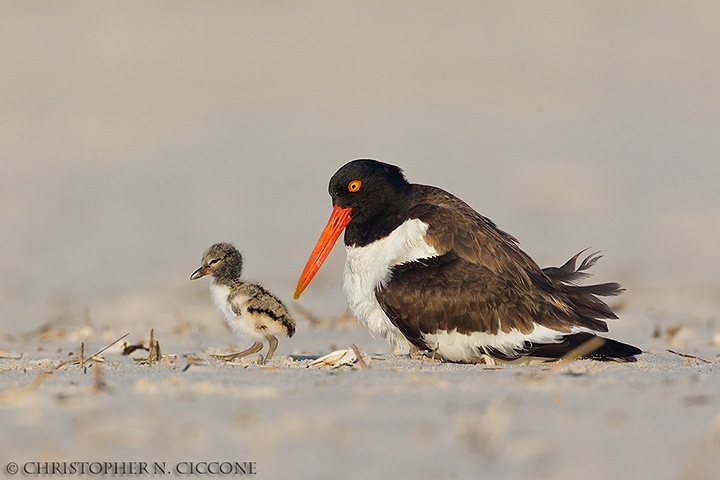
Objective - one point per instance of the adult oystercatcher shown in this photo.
(424, 267)
(249, 309)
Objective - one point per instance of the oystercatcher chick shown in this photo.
(249, 308)
(423, 267)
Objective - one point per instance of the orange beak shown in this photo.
(339, 219)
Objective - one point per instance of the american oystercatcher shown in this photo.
(249, 309)
(423, 267)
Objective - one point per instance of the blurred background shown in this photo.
(135, 134)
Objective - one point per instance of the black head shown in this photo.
(370, 188)
(370, 200)
(223, 261)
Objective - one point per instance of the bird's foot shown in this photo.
(227, 358)
(256, 347)
(416, 353)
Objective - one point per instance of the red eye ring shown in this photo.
(354, 186)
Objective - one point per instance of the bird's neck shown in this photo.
(227, 279)
(372, 229)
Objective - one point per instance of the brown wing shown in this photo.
(449, 293)
(257, 299)
(456, 226)
(482, 281)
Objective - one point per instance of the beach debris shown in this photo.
(154, 353)
(336, 359)
(192, 360)
(688, 357)
(128, 349)
(361, 362)
(96, 358)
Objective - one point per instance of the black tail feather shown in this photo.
(609, 350)
(568, 273)
(583, 298)
(609, 289)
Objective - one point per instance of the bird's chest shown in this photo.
(240, 323)
(219, 295)
(369, 267)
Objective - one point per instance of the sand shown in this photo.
(397, 418)
(135, 135)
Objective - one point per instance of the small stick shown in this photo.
(110, 345)
(152, 354)
(82, 354)
(193, 361)
(687, 355)
(359, 357)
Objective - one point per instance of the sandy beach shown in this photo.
(133, 136)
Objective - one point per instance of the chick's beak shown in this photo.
(199, 273)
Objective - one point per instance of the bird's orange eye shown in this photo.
(354, 186)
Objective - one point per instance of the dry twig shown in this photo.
(688, 356)
(359, 357)
(95, 356)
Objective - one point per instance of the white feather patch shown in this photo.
(457, 347)
(368, 267)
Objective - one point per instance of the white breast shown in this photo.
(368, 267)
(241, 325)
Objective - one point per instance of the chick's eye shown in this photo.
(354, 186)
